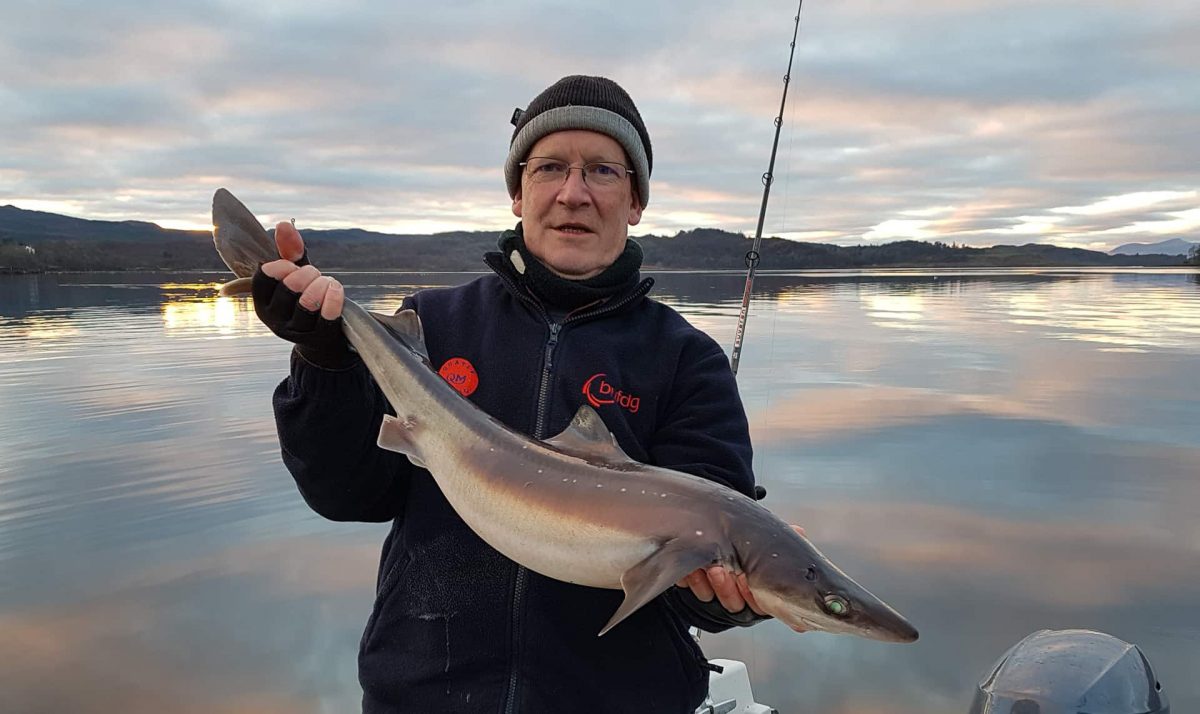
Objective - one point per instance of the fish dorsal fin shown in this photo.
(407, 326)
(665, 567)
(587, 435)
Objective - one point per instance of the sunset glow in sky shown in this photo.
(972, 121)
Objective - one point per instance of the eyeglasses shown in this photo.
(596, 174)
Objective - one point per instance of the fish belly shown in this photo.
(513, 513)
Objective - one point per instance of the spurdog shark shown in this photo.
(575, 507)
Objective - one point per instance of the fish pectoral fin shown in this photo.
(651, 577)
(406, 326)
(588, 436)
(396, 435)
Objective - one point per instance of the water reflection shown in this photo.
(229, 315)
(48, 328)
(903, 312)
(174, 637)
(992, 453)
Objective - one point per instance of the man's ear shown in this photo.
(516, 208)
(635, 210)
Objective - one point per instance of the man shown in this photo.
(563, 321)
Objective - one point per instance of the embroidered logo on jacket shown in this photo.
(461, 375)
(600, 391)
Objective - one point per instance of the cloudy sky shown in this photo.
(974, 121)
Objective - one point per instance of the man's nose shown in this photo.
(574, 190)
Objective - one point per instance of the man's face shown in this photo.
(577, 230)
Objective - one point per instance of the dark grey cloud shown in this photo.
(397, 113)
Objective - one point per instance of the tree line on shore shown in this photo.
(31, 241)
(690, 250)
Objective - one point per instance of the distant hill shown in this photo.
(66, 243)
(20, 224)
(1173, 246)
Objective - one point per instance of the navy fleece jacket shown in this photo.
(457, 627)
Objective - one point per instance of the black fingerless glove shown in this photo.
(710, 616)
(318, 340)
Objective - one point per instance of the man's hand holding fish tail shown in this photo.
(300, 305)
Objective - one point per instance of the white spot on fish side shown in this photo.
(699, 533)
(774, 555)
(539, 470)
(564, 480)
(599, 485)
(663, 496)
(622, 490)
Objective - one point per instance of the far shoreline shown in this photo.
(1182, 268)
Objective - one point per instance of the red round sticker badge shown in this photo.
(461, 375)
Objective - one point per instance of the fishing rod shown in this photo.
(752, 257)
(751, 264)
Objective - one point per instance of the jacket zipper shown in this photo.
(518, 594)
(522, 572)
(539, 429)
(539, 433)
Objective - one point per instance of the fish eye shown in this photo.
(837, 606)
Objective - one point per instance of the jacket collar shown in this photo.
(514, 282)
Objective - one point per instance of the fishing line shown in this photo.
(752, 257)
(782, 225)
(787, 171)
(783, 229)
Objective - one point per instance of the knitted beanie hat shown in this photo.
(580, 102)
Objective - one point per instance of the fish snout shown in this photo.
(858, 613)
(900, 632)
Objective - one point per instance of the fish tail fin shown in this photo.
(240, 239)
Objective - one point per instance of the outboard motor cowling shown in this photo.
(1071, 672)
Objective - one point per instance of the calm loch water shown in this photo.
(992, 453)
